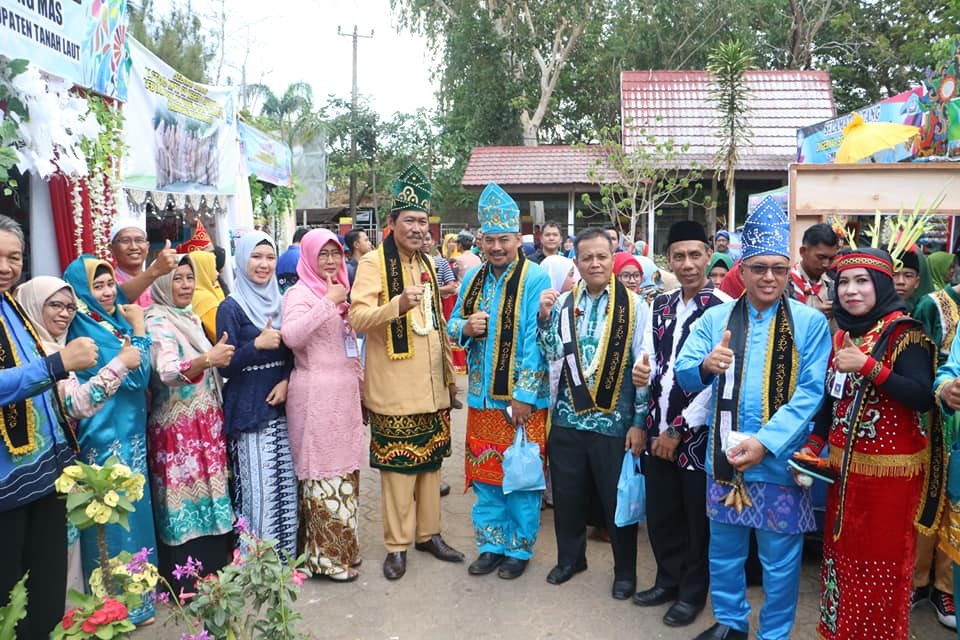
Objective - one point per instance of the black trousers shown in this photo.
(34, 538)
(678, 528)
(213, 553)
(585, 464)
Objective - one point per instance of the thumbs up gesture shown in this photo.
(718, 360)
(849, 358)
(129, 355)
(641, 371)
(336, 292)
(269, 337)
(165, 262)
(222, 352)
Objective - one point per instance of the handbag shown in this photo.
(631, 493)
(522, 466)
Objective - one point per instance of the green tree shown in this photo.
(291, 115)
(729, 92)
(177, 38)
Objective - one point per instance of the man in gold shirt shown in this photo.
(409, 382)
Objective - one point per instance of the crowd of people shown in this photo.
(725, 389)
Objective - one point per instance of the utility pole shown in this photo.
(353, 122)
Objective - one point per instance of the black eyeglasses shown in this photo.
(59, 306)
(759, 270)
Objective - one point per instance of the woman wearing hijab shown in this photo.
(720, 264)
(941, 265)
(50, 305)
(119, 428)
(325, 423)
(563, 273)
(881, 372)
(208, 295)
(264, 485)
(188, 452)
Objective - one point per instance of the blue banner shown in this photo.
(81, 41)
(818, 143)
(268, 159)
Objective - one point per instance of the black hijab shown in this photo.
(879, 266)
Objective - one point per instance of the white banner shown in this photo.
(181, 136)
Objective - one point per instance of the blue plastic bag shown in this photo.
(631, 493)
(522, 467)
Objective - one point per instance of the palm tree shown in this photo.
(290, 115)
(727, 65)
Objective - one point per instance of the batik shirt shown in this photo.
(591, 313)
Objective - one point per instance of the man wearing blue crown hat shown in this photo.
(409, 382)
(495, 320)
(766, 357)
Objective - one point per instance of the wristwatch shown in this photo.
(672, 432)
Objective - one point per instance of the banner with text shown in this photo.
(181, 136)
(818, 143)
(270, 160)
(82, 41)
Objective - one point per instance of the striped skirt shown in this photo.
(264, 486)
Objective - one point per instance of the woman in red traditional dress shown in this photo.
(879, 383)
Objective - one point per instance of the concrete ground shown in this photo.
(437, 600)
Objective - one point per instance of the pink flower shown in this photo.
(297, 578)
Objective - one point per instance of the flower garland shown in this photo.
(103, 154)
(76, 198)
(594, 364)
(426, 304)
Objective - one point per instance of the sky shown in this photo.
(296, 40)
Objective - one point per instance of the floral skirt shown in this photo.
(329, 510)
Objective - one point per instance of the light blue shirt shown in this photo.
(788, 427)
(530, 374)
(632, 404)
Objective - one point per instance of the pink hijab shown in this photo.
(310, 247)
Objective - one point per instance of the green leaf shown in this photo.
(15, 609)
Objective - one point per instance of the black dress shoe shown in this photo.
(395, 565)
(623, 589)
(722, 632)
(654, 596)
(440, 549)
(444, 489)
(512, 568)
(485, 563)
(681, 613)
(563, 572)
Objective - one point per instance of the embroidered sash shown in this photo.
(949, 318)
(931, 497)
(779, 377)
(614, 347)
(399, 338)
(18, 428)
(507, 322)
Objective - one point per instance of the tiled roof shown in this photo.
(781, 103)
(549, 165)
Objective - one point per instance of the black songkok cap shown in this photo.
(686, 230)
(910, 260)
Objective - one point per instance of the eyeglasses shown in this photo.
(631, 276)
(759, 270)
(127, 241)
(59, 306)
(330, 255)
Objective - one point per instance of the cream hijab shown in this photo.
(32, 295)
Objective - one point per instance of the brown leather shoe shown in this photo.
(440, 549)
(395, 565)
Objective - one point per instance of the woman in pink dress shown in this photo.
(323, 408)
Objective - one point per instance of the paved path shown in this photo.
(437, 600)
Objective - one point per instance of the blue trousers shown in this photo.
(506, 524)
(780, 555)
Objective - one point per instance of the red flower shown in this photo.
(114, 610)
(89, 626)
(425, 276)
(68, 620)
